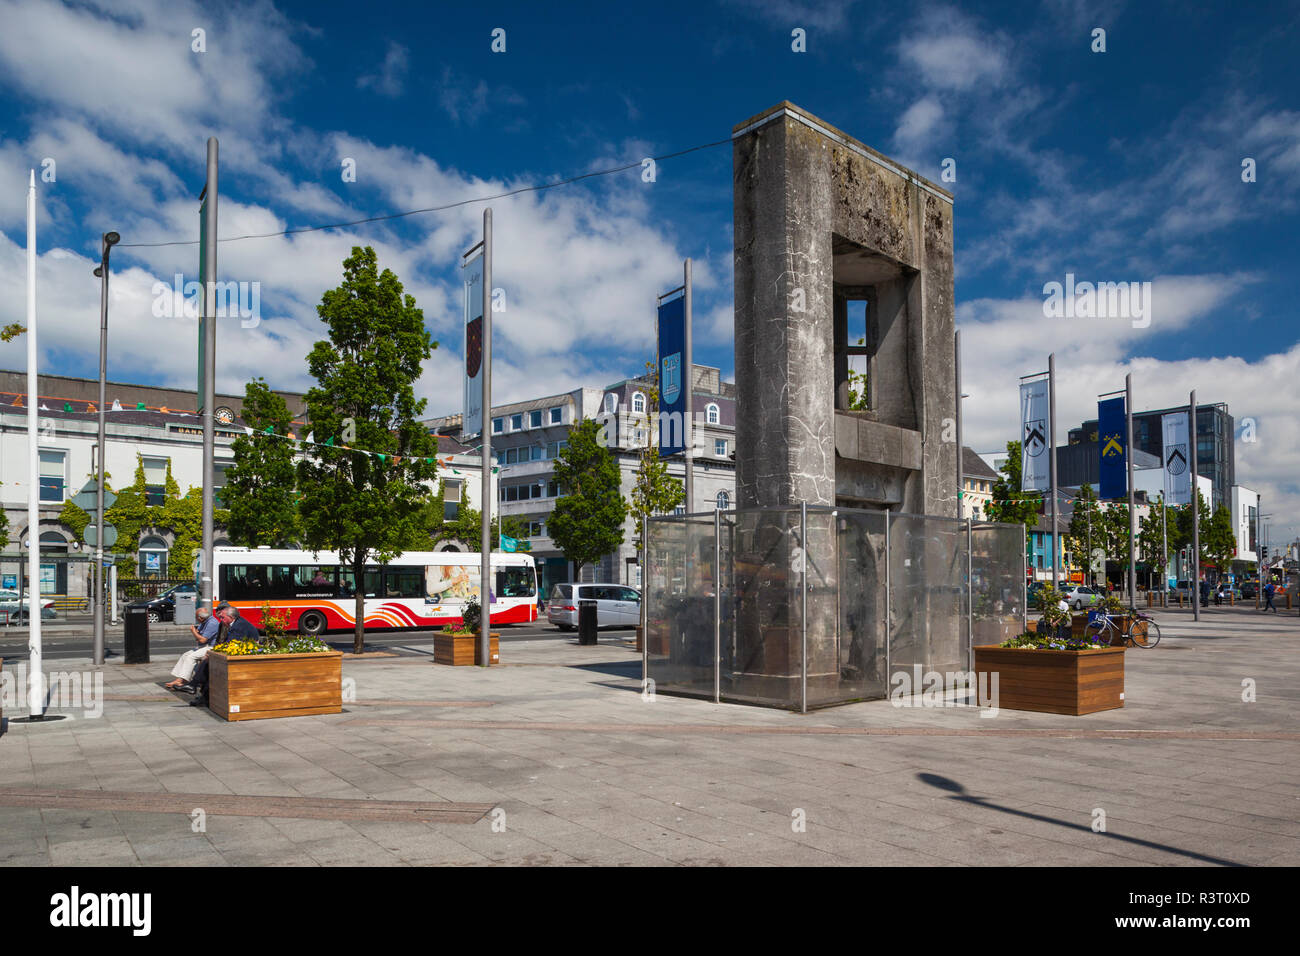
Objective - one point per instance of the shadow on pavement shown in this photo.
(959, 793)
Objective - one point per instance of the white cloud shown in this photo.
(950, 52)
(1002, 340)
(388, 80)
(918, 125)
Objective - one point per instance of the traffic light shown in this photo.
(1263, 555)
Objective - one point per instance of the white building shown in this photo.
(157, 425)
(526, 437)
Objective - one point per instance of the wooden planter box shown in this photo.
(1053, 682)
(253, 686)
(460, 651)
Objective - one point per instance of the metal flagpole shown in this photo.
(485, 569)
(1164, 553)
(107, 241)
(1196, 510)
(1051, 464)
(36, 678)
(956, 354)
(208, 397)
(1132, 511)
(1259, 548)
(717, 605)
(689, 385)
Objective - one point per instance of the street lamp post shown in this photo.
(107, 241)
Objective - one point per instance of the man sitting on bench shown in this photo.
(233, 628)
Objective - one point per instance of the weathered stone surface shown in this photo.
(818, 214)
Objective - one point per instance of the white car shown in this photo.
(617, 605)
(12, 613)
(1080, 596)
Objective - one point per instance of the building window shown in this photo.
(535, 419)
(450, 499)
(552, 447)
(498, 426)
(219, 482)
(155, 480)
(53, 475)
(557, 415)
(153, 558)
(711, 414)
(552, 489)
(638, 403)
(679, 510)
(720, 447)
(724, 501)
(611, 403)
(512, 456)
(516, 422)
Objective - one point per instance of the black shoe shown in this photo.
(200, 701)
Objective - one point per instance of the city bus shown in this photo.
(315, 593)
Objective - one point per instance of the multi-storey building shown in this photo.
(155, 428)
(1215, 448)
(526, 437)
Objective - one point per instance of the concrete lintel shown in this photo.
(878, 442)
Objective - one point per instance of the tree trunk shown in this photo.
(359, 635)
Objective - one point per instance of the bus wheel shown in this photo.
(311, 624)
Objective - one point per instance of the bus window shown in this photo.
(515, 582)
(279, 581)
(347, 582)
(243, 582)
(374, 578)
(314, 580)
(404, 582)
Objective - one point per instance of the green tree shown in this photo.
(1152, 533)
(260, 485)
(1184, 539)
(654, 491)
(362, 483)
(587, 522)
(1085, 532)
(1010, 504)
(1218, 543)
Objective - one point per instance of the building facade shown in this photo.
(1215, 447)
(527, 435)
(155, 429)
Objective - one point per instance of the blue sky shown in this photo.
(1115, 166)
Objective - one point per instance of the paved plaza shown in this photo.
(556, 757)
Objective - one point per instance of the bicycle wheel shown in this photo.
(1144, 634)
(1094, 632)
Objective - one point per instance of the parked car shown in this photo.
(1079, 596)
(617, 605)
(13, 613)
(1248, 590)
(163, 607)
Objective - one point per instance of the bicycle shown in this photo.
(1142, 630)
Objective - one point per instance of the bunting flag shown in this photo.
(92, 409)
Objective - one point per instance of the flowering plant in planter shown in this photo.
(277, 639)
(470, 619)
(1030, 641)
(1056, 612)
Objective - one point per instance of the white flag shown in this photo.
(1035, 437)
(1177, 455)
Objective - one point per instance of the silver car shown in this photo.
(1080, 596)
(617, 605)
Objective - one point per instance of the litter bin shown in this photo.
(137, 636)
(586, 622)
(184, 608)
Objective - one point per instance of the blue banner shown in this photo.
(1112, 446)
(672, 377)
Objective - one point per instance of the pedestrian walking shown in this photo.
(1268, 597)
